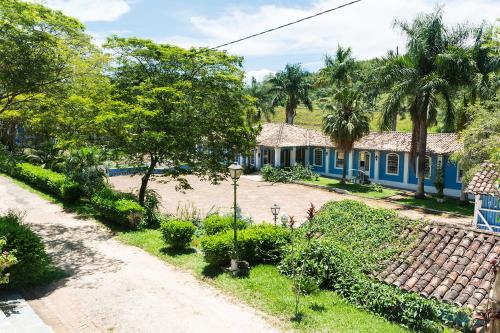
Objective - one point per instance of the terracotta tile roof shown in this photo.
(485, 181)
(284, 135)
(448, 263)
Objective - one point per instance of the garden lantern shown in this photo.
(235, 171)
(275, 210)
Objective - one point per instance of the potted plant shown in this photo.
(439, 185)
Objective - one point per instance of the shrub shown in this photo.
(48, 181)
(372, 235)
(337, 269)
(376, 187)
(152, 217)
(286, 175)
(215, 224)
(256, 244)
(32, 261)
(178, 234)
(118, 207)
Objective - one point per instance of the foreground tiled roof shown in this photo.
(485, 181)
(448, 263)
(284, 135)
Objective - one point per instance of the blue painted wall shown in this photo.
(382, 172)
(450, 174)
(311, 160)
(412, 177)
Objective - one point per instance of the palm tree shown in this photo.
(260, 91)
(290, 88)
(340, 69)
(347, 121)
(423, 79)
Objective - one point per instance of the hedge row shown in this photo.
(256, 244)
(118, 207)
(336, 269)
(47, 181)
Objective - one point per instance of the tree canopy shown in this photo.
(176, 107)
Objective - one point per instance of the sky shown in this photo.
(367, 26)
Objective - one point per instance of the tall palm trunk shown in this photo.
(289, 114)
(145, 180)
(422, 148)
(463, 196)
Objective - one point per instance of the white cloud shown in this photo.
(365, 26)
(91, 10)
(259, 75)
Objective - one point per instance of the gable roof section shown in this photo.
(285, 135)
(448, 263)
(485, 181)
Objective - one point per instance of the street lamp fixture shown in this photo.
(275, 210)
(235, 171)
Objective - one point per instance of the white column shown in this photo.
(351, 161)
(477, 205)
(327, 160)
(377, 165)
(257, 157)
(277, 157)
(406, 169)
(307, 156)
(293, 156)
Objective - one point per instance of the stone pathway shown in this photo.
(256, 198)
(112, 287)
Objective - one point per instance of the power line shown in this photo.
(285, 25)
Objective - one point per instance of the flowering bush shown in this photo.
(7, 259)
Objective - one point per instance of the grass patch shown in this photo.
(355, 189)
(451, 205)
(266, 289)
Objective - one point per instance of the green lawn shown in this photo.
(269, 291)
(450, 205)
(355, 189)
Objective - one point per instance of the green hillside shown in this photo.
(313, 119)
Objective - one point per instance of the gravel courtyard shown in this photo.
(255, 198)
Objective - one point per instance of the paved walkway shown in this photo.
(112, 287)
(256, 197)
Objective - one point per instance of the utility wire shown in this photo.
(285, 25)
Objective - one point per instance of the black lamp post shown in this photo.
(235, 171)
(275, 209)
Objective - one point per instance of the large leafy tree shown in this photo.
(38, 51)
(50, 74)
(346, 121)
(177, 107)
(481, 140)
(424, 79)
(289, 88)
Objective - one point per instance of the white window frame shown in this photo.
(387, 164)
(314, 157)
(364, 153)
(427, 158)
(337, 158)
